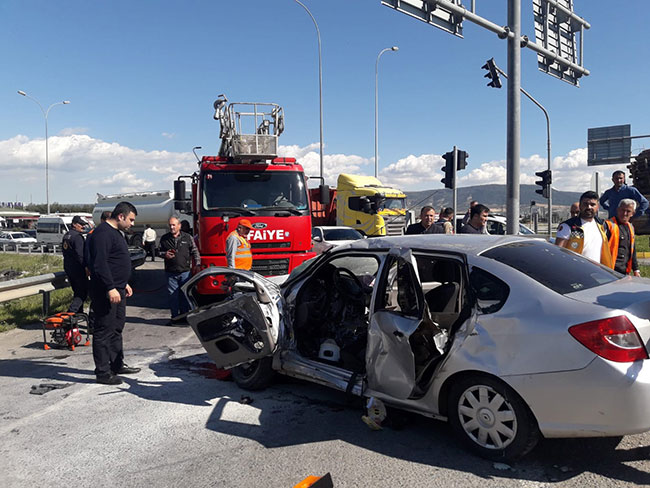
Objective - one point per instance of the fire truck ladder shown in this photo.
(249, 130)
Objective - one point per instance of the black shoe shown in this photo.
(127, 370)
(110, 379)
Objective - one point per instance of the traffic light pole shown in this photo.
(514, 118)
(548, 145)
(454, 171)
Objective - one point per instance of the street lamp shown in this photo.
(394, 48)
(320, 88)
(45, 114)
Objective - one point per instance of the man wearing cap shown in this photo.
(73, 263)
(179, 250)
(238, 249)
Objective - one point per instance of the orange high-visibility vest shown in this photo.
(243, 256)
(577, 239)
(614, 239)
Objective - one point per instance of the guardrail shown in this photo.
(34, 285)
(30, 249)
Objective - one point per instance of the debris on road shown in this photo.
(46, 387)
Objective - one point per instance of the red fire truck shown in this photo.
(248, 180)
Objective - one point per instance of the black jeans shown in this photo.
(109, 321)
(150, 249)
(79, 283)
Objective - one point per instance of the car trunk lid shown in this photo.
(630, 295)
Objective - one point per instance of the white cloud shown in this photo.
(81, 166)
(73, 130)
(333, 164)
(168, 135)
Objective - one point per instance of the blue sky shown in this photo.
(142, 76)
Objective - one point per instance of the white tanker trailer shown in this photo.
(154, 208)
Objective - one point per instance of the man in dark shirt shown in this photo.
(178, 250)
(73, 263)
(110, 270)
(427, 216)
(621, 238)
(477, 223)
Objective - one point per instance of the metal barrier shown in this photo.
(30, 249)
(34, 285)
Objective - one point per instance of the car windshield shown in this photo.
(254, 190)
(525, 230)
(394, 203)
(18, 235)
(341, 234)
(555, 267)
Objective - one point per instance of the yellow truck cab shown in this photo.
(365, 204)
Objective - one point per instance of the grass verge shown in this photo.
(28, 310)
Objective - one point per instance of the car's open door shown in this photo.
(398, 312)
(243, 327)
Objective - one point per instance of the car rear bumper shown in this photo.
(603, 399)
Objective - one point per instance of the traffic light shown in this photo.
(492, 74)
(545, 182)
(462, 160)
(448, 169)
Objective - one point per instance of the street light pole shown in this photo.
(45, 114)
(320, 88)
(394, 48)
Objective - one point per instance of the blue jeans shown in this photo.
(177, 302)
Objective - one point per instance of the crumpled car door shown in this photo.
(399, 310)
(242, 328)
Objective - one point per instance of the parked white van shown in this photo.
(50, 229)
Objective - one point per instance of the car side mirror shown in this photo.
(317, 239)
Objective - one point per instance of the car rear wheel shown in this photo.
(255, 375)
(492, 419)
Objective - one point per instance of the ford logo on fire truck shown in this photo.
(259, 225)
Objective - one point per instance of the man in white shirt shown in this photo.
(149, 238)
(586, 234)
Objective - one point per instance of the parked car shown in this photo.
(508, 338)
(324, 237)
(16, 238)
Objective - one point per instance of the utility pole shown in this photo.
(514, 118)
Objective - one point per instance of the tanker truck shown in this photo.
(154, 209)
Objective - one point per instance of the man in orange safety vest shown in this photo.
(238, 249)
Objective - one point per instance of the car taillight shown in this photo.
(614, 338)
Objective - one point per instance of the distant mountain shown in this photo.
(494, 196)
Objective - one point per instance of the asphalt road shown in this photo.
(175, 424)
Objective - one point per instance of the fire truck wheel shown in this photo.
(254, 376)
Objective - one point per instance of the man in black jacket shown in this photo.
(110, 270)
(178, 250)
(73, 263)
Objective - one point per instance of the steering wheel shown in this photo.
(338, 280)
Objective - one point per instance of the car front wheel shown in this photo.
(492, 419)
(255, 375)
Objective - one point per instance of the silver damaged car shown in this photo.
(508, 338)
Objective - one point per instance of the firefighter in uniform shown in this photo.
(73, 263)
(238, 249)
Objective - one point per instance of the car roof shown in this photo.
(464, 243)
(332, 227)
